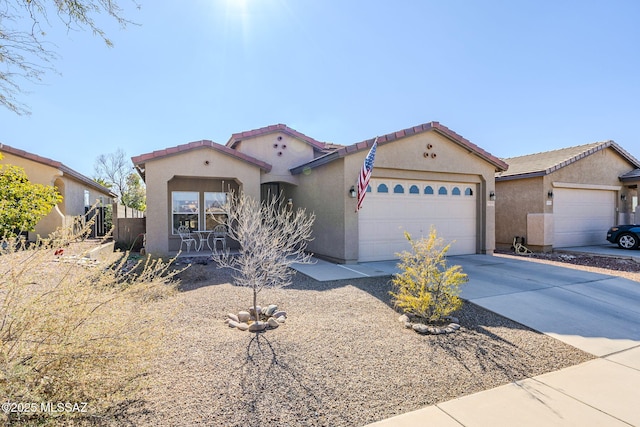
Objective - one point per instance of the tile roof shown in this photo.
(544, 163)
(140, 160)
(385, 139)
(634, 175)
(317, 145)
(56, 164)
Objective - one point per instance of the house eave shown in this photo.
(521, 176)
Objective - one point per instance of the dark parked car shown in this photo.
(626, 236)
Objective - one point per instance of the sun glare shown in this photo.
(238, 5)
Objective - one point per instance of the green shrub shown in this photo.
(74, 330)
(22, 203)
(426, 287)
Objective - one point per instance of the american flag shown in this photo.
(365, 174)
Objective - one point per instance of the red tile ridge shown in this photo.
(142, 158)
(237, 137)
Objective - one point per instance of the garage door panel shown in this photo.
(582, 216)
(386, 216)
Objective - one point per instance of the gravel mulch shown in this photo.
(341, 359)
(622, 267)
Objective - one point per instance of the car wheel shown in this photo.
(628, 241)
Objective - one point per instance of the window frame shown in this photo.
(190, 215)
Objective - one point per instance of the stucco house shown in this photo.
(424, 175)
(78, 192)
(566, 197)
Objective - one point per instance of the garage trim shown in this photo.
(586, 186)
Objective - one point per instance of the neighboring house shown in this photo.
(567, 197)
(423, 176)
(78, 192)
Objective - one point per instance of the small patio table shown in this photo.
(203, 236)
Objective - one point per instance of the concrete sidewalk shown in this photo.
(597, 313)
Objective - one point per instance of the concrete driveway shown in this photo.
(597, 313)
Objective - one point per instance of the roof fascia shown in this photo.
(140, 161)
(522, 176)
(66, 170)
(498, 164)
(240, 136)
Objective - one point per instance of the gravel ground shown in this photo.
(622, 267)
(341, 359)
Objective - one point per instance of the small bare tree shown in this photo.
(272, 237)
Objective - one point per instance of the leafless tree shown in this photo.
(25, 53)
(272, 237)
(114, 169)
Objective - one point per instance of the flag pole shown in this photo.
(365, 174)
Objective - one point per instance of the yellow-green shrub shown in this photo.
(75, 331)
(426, 287)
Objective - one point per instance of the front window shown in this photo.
(214, 209)
(185, 209)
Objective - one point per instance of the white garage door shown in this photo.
(392, 207)
(581, 217)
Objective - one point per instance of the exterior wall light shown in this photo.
(492, 196)
(623, 197)
(352, 192)
(550, 194)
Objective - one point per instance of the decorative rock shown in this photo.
(233, 317)
(273, 323)
(408, 325)
(403, 319)
(253, 313)
(421, 328)
(270, 310)
(242, 326)
(279, 319)
(258, 326)
(244, 316)
(454, 326)
(451, 319)
(411, 316)
(232, 323)
(279, 313)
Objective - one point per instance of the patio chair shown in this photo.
(220, 235)
(186, 237)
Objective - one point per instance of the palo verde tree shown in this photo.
(272, 237)
(25, 53)
(426, 286)
(22, 203)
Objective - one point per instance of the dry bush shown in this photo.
(75, 331)
(426, 286)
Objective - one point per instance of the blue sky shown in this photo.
(514, 77)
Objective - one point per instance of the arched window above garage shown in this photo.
(456, 191)
(382, 188)
(398, 189)
(414, 189)
(428, 189)
(442, 191)
(468, 192)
